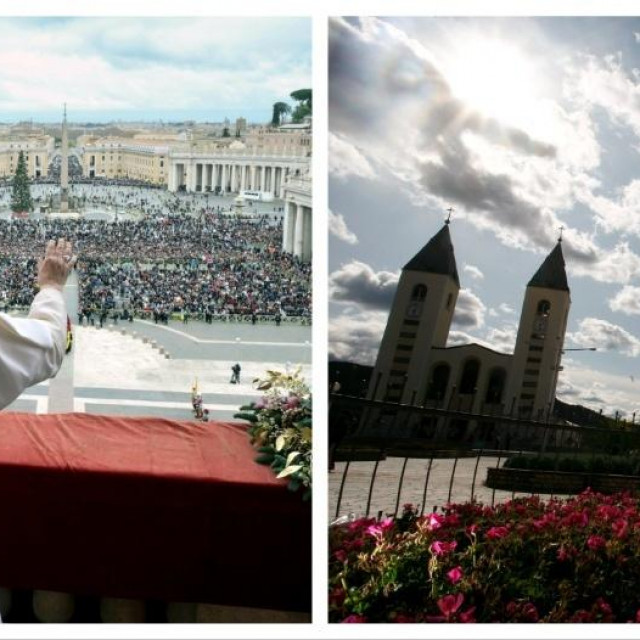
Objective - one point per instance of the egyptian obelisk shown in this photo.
(64, 166)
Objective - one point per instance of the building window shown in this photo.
(438, 383)
(495, 387)
(419, 292)
(469, 378)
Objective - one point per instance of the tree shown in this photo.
(280, 109)
(21, 193)
(225, 133)
(304, 107)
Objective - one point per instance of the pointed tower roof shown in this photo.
(436, 256)
(551, 274)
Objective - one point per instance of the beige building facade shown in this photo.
(415, 367)
(38, 151)
(298, 220)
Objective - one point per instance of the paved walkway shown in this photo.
(387, 481)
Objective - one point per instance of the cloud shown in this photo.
(594, 332)
(149, 63)
(508, 180)
(473, 271)
(603, 82)
(627, 301)
(470, 310)
(357, 283)
(345, 160)
(338, 228)
(356, 337)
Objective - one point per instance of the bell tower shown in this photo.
(420, 318)
(538, 351)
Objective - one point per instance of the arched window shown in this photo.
(544, 308)
(469, 378)
(495, 387)
(438, 382)
(419, 292)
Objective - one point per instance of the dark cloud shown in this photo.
(358, 283)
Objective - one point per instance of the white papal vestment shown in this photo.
(32, 348)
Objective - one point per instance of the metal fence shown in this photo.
(385, 455)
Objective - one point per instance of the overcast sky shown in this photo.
(521, 125)
(151, 68)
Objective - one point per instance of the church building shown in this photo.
(415, 367)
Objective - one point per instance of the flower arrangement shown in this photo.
(526, 560)
(280, 427)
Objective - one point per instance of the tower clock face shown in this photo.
(414, 309)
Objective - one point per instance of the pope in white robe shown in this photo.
(32, 348)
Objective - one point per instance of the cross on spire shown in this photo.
(450, 210)
(561, 230)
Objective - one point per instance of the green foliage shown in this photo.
(280, 109)
(21, 193)
(281, 428)
(582, 463)
(304, 107)
(225, 133)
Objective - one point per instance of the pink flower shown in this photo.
(468, 615)
(530, 612)
(377, 530)
(449, 604)
(355, 619)
(497, 532)
(620, 528)
(439, 548)
(638, 615)
(292, 402)
(401, 618)
(455, 575)
(596, 542)
(562, 554)
(340, 555)
(434, 521)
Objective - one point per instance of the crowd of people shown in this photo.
(196, 266)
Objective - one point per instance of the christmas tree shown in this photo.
(21, 193)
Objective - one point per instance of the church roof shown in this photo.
(436, 256)
(551, 274)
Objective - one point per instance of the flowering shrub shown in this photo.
(526, 560)
(281, 427)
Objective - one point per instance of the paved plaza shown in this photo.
(139, 368)
(385, 487)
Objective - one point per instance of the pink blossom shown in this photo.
(562, 554)
(468, 615)
(434, 521)
(401, 618)
(439, 548)
(620, 528)
(596, 542)
(530, 612)
(340, 555)
(355, 619)
(497, 532)
(449, 604)
(377, 530)
(455, 575)
(292, 402)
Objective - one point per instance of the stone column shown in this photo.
(234, 177)
(298, 239)
(307, 234)
(263, 176)
(253, 176)
(64, 166)
(224, 178)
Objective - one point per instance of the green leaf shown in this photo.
(291, 457)
(289, 470)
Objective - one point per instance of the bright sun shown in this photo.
(496, 78)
